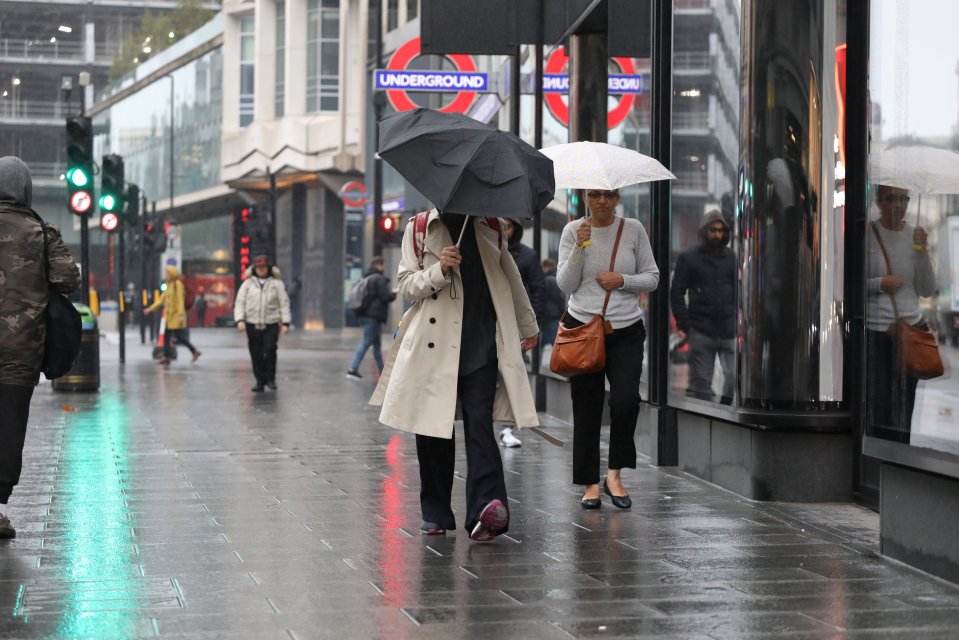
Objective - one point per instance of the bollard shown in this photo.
(85, 374)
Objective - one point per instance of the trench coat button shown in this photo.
(432, 320)
(433, 296)
(430, 345)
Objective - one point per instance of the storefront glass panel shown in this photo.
(913, 214)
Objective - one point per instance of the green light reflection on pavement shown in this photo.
(100, 567)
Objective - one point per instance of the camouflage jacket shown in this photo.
(24, 291)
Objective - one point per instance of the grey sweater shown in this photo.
(915, 267)
(577, 271)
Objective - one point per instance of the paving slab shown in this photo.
(177, 503)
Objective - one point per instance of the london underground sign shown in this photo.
(555, 83)
(398, 81)
(354, 194)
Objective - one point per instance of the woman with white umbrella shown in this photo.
(585, 274)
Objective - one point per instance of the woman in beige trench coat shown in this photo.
(421, 382)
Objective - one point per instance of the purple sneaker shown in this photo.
(492, 520)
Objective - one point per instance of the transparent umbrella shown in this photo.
(919, 169)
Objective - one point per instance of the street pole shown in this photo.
(540, 390)
(514, 89)
(85, 230)
(272, 245)
(122, 322)
(378, 99)
(172, 97)
(143, 264)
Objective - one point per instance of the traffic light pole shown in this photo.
(122, 320)
(85, 231)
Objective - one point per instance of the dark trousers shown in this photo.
(262, 343)
(484, 466)
(14, 412)
(890, 390)
(182, 336)
(624, 366)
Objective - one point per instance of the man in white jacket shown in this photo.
(262, 310)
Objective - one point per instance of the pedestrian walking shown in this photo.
(25, 283)
(173, 301)
(201, 305)
(372, 316)
(262, 310)
(527, 262)
(459, 347)
(585, 250)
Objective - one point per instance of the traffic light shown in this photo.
(390, 229)
(154, 237)
(131, 201)
(80, 164)
(111, 184)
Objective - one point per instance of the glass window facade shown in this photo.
(912, 224)
(247, 69)
(279, 95)
(757, 215)
(323, 56)
(412, 9)
(138, 128)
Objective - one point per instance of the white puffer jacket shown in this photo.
(262, 301)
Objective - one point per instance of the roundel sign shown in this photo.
(353, 194)
(400, 98)
(557, 105)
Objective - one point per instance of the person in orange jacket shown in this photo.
(173, 302)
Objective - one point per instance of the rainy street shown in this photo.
(177, 503)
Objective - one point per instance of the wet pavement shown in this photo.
(176, 503)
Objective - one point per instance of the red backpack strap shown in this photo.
(496, 226)
(419, 235)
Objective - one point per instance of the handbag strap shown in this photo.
(885, 257)
(612, 263)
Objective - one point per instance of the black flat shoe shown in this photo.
(620, 502)
(591, 503)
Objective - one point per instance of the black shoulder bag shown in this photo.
(64, 325)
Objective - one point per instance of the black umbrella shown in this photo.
(464, 166)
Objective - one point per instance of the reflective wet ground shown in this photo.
(179, 504)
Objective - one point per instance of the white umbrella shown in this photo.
(597, 165)
(928, 170)
(919, 169)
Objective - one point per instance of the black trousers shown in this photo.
(181, 336)
(262, 343)
(14, 412)
(624, 367)
(890, 390)
(484, 466)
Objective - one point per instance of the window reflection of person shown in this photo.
(891, 391)
(707, 274)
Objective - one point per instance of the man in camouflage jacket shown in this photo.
(24, 290)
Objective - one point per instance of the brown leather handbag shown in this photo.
(918, 346)
(583, 349)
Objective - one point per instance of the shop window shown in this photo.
(913, 174)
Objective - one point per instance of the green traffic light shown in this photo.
(108, 202)
(78, 177)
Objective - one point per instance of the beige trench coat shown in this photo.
(417, 389)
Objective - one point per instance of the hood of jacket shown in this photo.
(709, 218)
(16, 186)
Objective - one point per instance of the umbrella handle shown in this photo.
(462, 231)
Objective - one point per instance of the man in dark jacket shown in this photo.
(555, 303)
(25, 283)
(380, 295)
(707, 273)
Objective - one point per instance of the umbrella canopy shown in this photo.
(464, 166)
(922, 170)
(597, 165)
